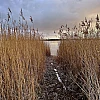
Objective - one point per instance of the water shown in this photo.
(54, 46)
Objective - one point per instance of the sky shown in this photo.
(49, 15)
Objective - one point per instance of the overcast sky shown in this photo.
(49, 15)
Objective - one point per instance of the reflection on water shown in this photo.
(54, 45)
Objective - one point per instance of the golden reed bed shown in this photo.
(81, 59)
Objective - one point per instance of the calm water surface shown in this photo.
(54, 46)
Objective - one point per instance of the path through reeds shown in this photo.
(53, 89)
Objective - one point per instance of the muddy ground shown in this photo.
(53, 87)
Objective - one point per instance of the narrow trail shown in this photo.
(56, 85)
(51, 86)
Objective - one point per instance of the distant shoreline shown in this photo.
(69, 39)
(51, 39)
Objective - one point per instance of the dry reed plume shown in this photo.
(85, 29)
(22, 57)
(81, 61)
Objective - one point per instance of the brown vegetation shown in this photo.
(81, 60)
(22, 57)
(85, 29)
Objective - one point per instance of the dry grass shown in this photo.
(48, 52)
(22, 58)
(81, 60)
(85, 30)
(21, 66)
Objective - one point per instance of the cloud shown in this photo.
(49, 15)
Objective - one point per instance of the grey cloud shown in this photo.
(49, 15)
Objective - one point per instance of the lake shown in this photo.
(54, 46)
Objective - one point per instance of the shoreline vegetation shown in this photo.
(79, 57)
(23, 66)
(79, 60)
(22, 59)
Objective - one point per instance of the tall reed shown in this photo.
(22, 58)
(81, 60)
